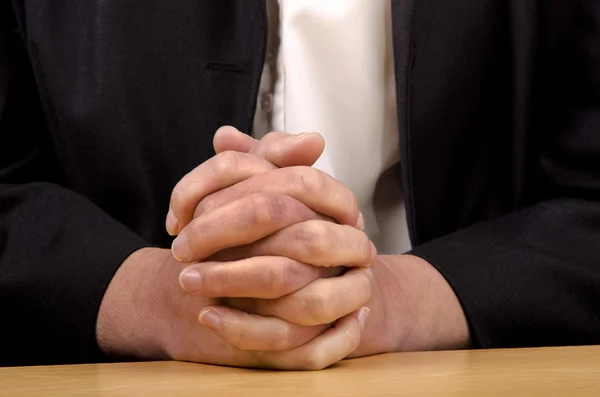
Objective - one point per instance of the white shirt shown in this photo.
(330, 69)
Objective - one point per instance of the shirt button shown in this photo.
(270, 56)
(266, 102)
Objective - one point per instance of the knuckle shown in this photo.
(316, 308)
(270, 137)
(295, 275)
(235, 332)
(224, 163)
(237, 336)
(284, 339)
(309, 180)
(214, 201)
(313, 238)
(277, 281)
(287, 277)
(207, 204)
(197, 230)
(267, 209)
(315, 361)
(260, 208)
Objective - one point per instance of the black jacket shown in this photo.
(104, 105)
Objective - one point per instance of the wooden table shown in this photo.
(530, 372)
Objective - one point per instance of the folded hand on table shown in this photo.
(275, 269)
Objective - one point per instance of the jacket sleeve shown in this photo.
(532, 277)
(58, 251)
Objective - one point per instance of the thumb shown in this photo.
(279, 148)
(230, 138)
(288, 150)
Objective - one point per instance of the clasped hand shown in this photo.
(273, 270)
(277, 248)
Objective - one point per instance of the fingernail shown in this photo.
(360, 224)
(190, 281)
(172, 223)
(180, 248)
(363, 315)
(304, 134)
(373, 251)
(209, 319)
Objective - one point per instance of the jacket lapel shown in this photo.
(402, 26)
(455, 70)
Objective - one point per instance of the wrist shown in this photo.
(132, 316)
(414, 309)
(381, 330)
(436, 318)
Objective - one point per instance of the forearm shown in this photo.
(129, 320)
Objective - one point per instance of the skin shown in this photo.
(272, 271)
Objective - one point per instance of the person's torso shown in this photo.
(133, 93)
